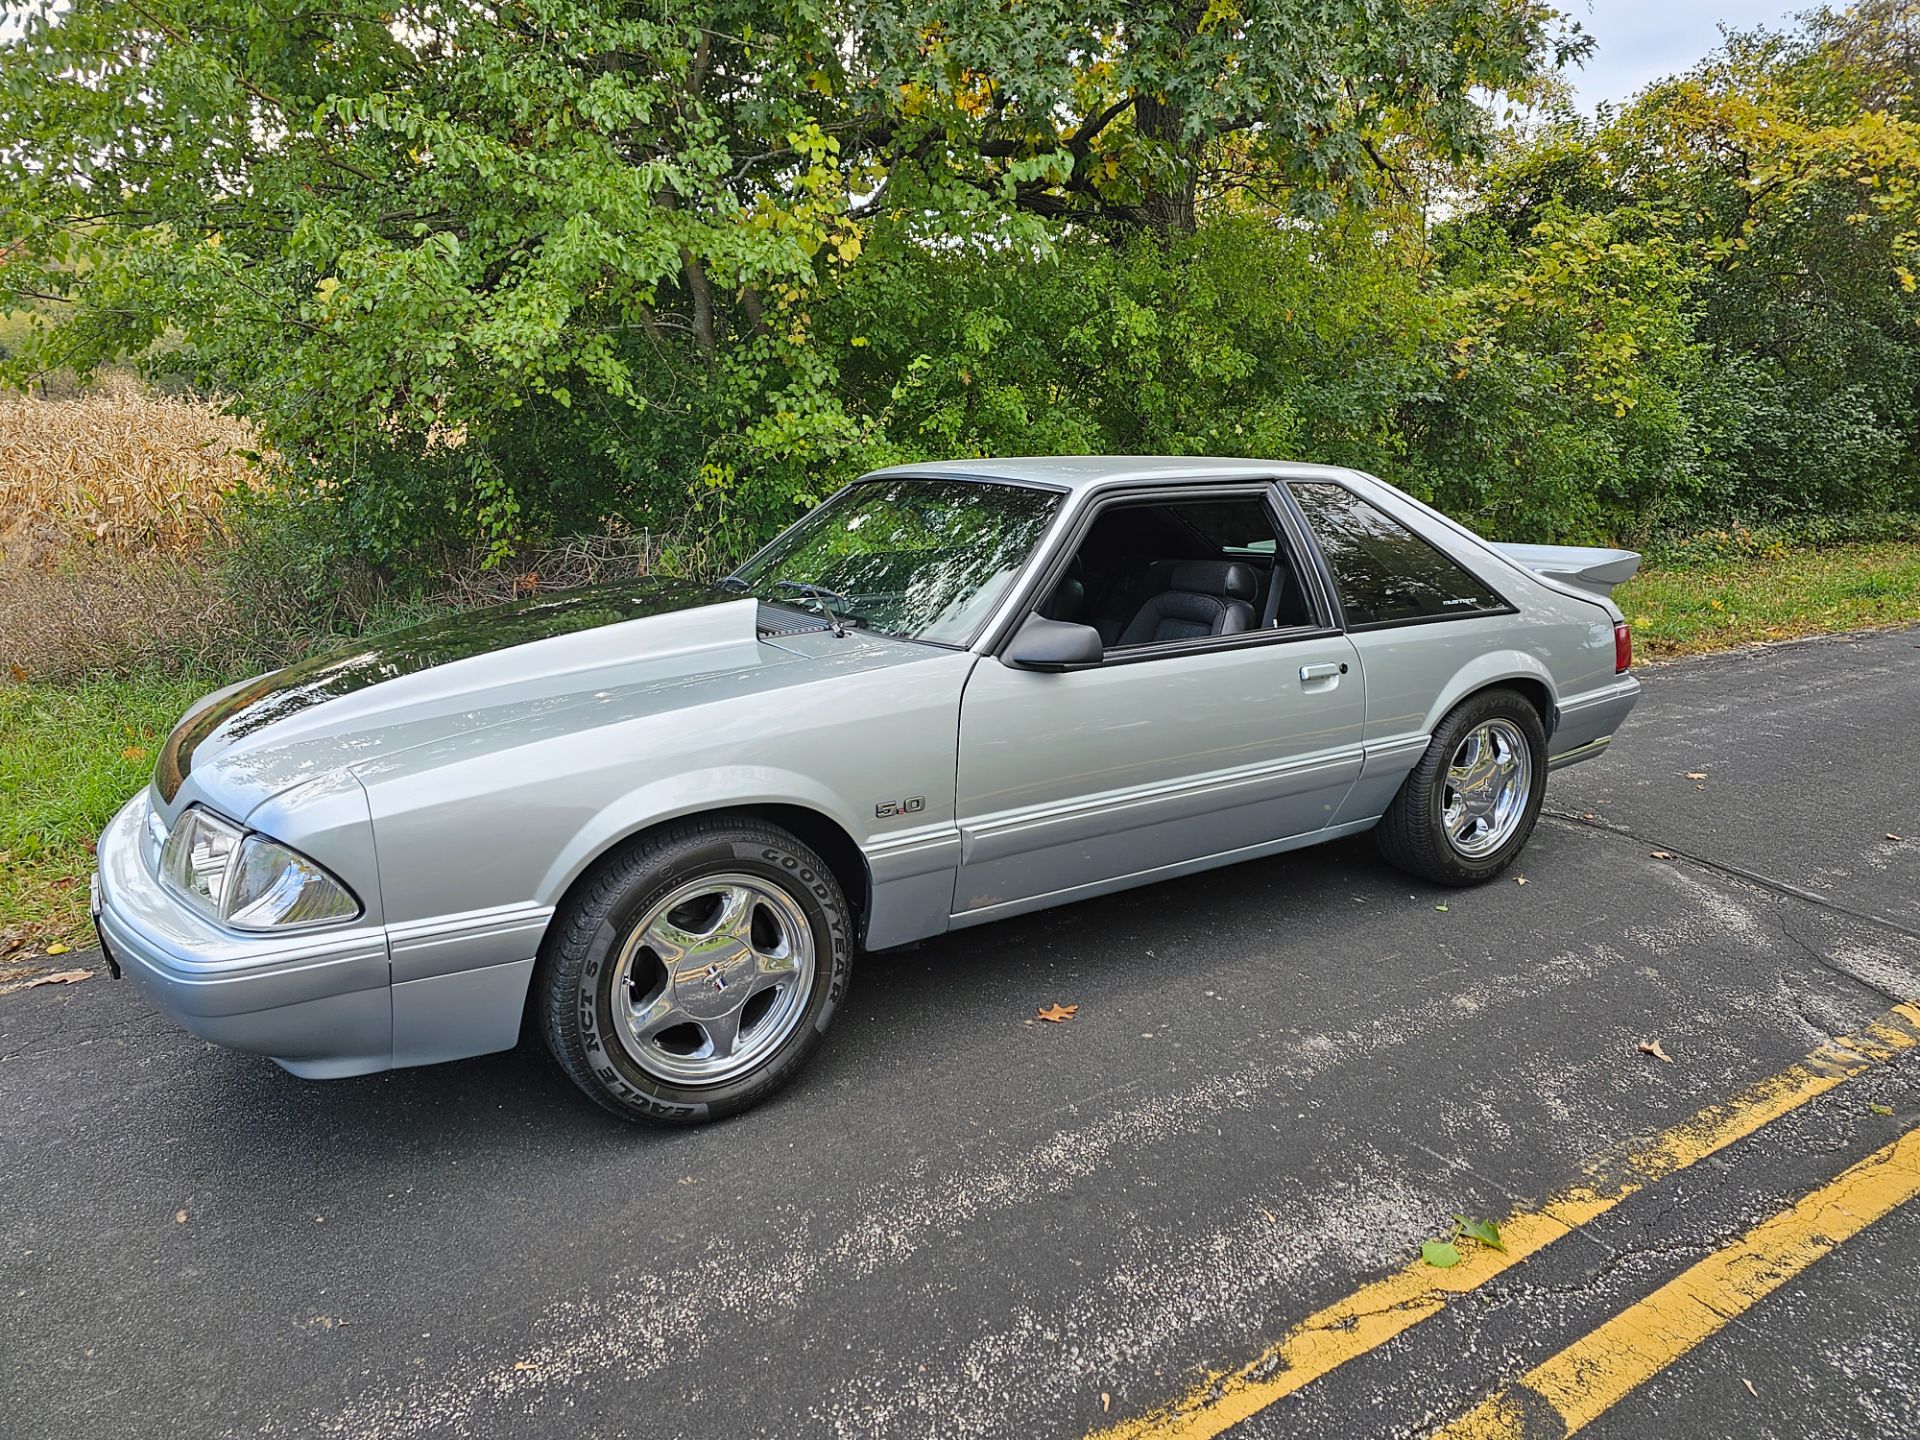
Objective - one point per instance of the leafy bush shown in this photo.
(1777, 539)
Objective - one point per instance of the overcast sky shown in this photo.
(1639, 41)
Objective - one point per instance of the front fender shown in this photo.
(672, 797)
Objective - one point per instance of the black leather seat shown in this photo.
(1207, 597)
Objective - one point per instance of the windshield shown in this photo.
(927, 559)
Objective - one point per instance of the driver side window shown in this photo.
(1162, 571)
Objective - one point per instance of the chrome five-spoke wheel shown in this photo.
(1488, 781)
(713, 978)
(692, 972)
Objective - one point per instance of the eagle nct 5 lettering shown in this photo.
(657, 820)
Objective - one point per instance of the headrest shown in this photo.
(1228, 578)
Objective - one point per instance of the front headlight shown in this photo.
(197, 857)
(246, 880)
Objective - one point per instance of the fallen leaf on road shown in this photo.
(1878, 1108)
(1696, 774)
(1749, 1384)
(1661, 854)
(179, 1217)
(1485, 1231)
(1441, 1254)
(59, 977)
(58, 949)
(1106, 1402)
(523, 1365)
(1519, 879)
(1892, 836)
(1056, 1013)
(1652, 1047)
(1441, 908)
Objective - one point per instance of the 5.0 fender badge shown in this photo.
(887, 809)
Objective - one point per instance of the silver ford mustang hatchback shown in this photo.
(658, 819)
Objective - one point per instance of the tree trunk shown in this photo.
(1168, 203)
(702, 294)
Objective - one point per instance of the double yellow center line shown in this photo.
(1378, 1311)
(1600, 1369)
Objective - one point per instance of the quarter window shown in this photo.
(1386, 574)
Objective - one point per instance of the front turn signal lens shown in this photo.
(274, 887)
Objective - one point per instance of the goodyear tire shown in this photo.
(1467, 808)
(694, 972)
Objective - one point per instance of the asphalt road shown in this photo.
(1281, 1079)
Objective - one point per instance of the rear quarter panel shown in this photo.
(1416, 673)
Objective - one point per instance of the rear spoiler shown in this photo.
(1585, 567)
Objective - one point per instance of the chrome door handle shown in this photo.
(1320, 672)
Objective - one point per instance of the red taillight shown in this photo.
(1622, 648)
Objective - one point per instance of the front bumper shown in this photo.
(319, 1003)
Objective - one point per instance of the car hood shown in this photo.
(364, 702)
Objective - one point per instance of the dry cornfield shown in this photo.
(114, 560)
(108, 499)
(116, 466)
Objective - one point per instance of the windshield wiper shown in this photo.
(820, 596)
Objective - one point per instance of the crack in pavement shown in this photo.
(1779, 889)
(1810, 951)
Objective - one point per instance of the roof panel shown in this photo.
(1077, 472)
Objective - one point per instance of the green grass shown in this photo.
(72, 755)
(1714, 605)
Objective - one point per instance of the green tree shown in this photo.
(512, 269)
(1782, 174)
(1138, 115)
(469, 267)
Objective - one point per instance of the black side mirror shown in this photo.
(1043, 644)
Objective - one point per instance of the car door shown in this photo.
(1162, 756)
